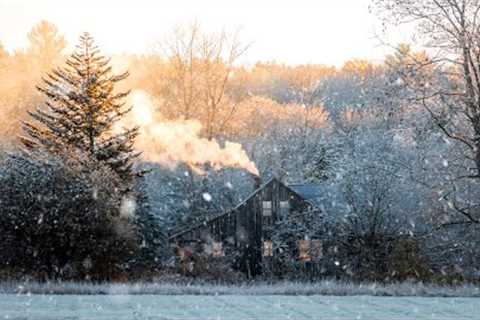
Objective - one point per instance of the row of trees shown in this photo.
(21, 70)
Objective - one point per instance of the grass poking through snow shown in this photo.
(326, 287)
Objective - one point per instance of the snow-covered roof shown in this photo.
(310, 192)
(325, 196)
(177, 233)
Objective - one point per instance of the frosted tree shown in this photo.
(81, 109)
(46, 44)
(60, 218)
(450, 90)
(81, 112)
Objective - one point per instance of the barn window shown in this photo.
(217, 249)
(284, 208)
(316, 250)
(304, 250)
(267, 248)
(267, 208)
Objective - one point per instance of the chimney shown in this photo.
(257, 181)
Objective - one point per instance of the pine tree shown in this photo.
(81, 109)
(316, 163)
(152, 240)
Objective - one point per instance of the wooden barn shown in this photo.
(244, 229)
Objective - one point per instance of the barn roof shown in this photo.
(177, 233)
(327, 197)
(315, 194)
(310, 192)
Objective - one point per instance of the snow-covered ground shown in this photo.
(234, 307)
(184, 287)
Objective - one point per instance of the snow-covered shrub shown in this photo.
(407, 261)
(60, 219)
(377, 233)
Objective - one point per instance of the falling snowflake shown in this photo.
(128, 207)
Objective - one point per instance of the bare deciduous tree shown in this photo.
(450, 91)
(200, 68)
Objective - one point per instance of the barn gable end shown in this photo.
(243, 227)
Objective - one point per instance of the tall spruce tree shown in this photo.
(81, 109)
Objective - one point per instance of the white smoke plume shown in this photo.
(171, 142)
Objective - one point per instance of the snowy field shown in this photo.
(234, 307)
(285, 288)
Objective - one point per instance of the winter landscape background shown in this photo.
(105, 154)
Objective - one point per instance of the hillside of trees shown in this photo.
(394, 145)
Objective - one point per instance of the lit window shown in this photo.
(217, 249)
(268, 248)
(284, 208)
(317, 249)
(267, 208)
(304, 250)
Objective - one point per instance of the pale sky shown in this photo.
(292, 32)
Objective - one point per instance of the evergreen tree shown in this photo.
(60, 218)
(81, 109)
(316, 163)
(152, 240)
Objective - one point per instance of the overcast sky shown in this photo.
(293, 32)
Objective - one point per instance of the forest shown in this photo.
(101, 158)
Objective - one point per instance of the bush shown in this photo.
(60, 218)
(407, 262)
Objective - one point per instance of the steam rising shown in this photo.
(171, 142)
